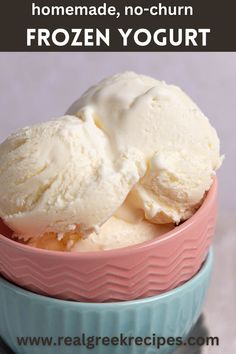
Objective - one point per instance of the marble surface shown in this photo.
(38, 86)
(220, 307)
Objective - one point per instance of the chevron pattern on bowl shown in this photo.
(139, 271)
(174, 313)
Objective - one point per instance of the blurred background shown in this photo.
(37, 86)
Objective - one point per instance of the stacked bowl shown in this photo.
(153, 289)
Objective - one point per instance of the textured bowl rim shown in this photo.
(203, 272)
(129, 250)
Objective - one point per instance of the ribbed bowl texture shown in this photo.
(23, 313)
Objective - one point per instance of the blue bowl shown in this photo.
(25, 314)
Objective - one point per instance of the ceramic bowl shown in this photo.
(134, 272)
(25, 314)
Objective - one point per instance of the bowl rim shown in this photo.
(129, 250)
(204, 271)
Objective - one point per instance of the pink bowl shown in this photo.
(134, 272)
